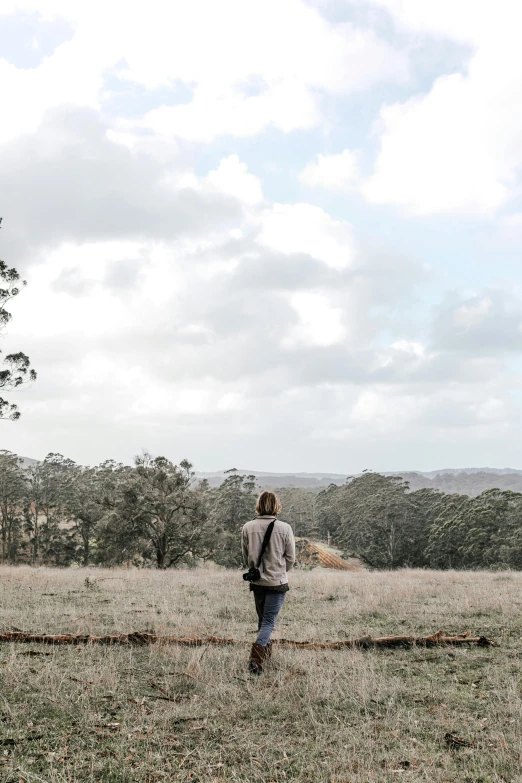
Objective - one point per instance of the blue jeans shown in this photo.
(268, 606)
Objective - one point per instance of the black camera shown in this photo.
(252, 575)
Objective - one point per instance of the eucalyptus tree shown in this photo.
(33, 508)
(383, 515)
(235, 500)
(328, 521)
(487, 529)
(448, 531)
(373, 518)
(426, 505)
(158, 511)
(57, 539)
(232, 504)
(113, 541)
(483, 528)
(85, 508)
(299, 509)
(510, 547)
(17, 367)
(12, 490)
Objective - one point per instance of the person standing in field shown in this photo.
(268, 549)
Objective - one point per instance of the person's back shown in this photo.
(279, 556)
(269, 548)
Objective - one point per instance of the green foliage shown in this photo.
(234, 501)
(480, 532)
(329, 523)
(12, 488)
(17, 367)
(155, 513)
(232, 504)
(376, 520)
(300, 510)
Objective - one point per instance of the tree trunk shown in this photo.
(35, 537)
(86, 549)
(10, 541)
(161, 551)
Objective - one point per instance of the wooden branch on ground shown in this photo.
(137, 637)
(365, 642)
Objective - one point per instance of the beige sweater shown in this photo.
(279, 556)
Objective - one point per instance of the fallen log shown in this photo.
(146, 637)
(366, 642)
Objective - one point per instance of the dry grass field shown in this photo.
(168, 713)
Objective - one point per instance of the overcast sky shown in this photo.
(282, 235)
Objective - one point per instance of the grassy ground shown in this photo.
(176, 714)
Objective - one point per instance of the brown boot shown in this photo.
(257, 657)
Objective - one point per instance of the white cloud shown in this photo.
(409, 347)
(485, 323)
(232, 177)
(467, 20)
(458, 148)
(403, 358)
(248, 64)
(303, 228)
(510, 227)
(492, 409)
(60, 79)
(224, 369)
(471, 314)
(320, 323)
(287, 106)
(332, 172)
(381, 409)
(187, 311)
(251, 66)
(89, 263)
(232, 401)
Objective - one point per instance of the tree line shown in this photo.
(158, 514)
(153, 513)
(378, 519)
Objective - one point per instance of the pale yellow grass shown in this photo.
(93, 713)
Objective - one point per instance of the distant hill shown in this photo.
(27, 462)
(461, 481)
(465, 481)
(496, 471)
(274, 480)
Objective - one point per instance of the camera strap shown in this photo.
(266, 541)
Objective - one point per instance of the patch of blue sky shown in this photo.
(274, 156)
(349, 124)
(515, 387)
(458, 249)
(430, 55)
(255, 85)
(122, 97)
(26, 39)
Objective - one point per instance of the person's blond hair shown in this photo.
(268, 504)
